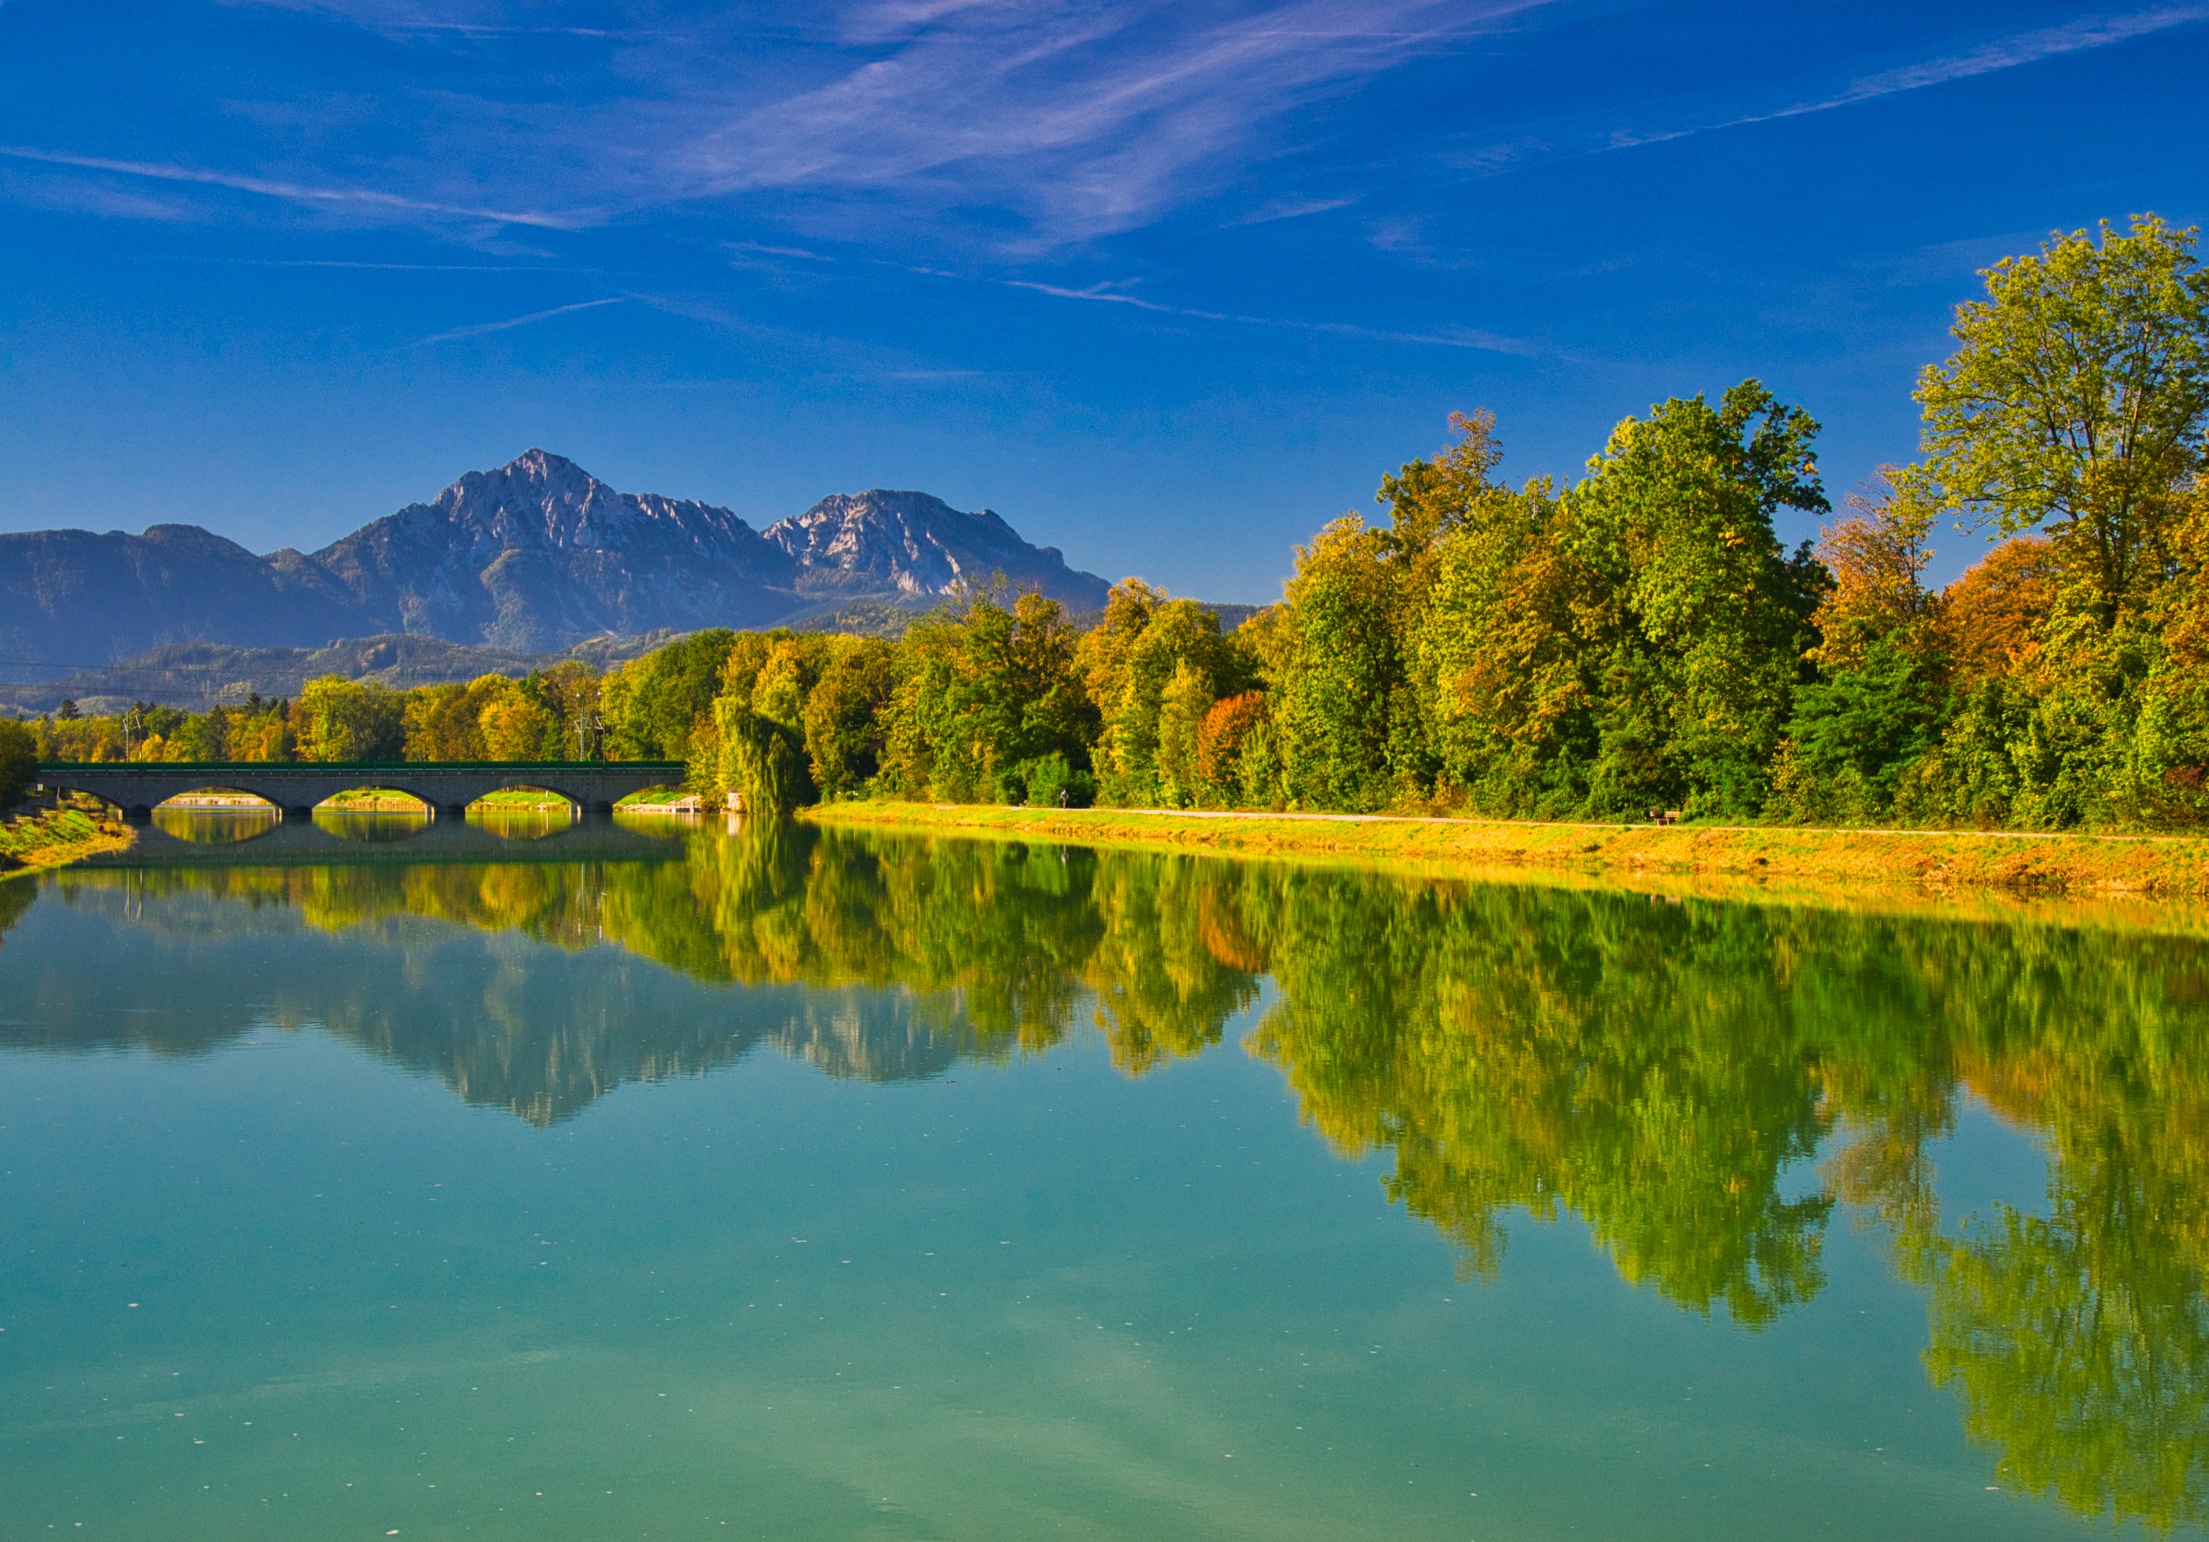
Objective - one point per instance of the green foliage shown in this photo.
(1334, 695)
(340, 719)
(980, 695)
(655, 706)
(18, 762)
(2077, 398)
(1855, 733)
(1147, 643)
(843, 715)
(1704, 616)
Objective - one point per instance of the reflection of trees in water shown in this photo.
(16, 896)
(1526, 1049)
(1657, 1069)
(1663, 1071)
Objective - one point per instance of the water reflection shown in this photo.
(217, 826)
(1666, 1072)
(372, 825)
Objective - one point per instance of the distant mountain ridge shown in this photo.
(533, 557)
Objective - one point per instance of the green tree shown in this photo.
(338, 719)
(1182, 707)
(656, 706)
(1879, 702)
(2076, 400)
(1343, 668)
(986, 695)
(1145, 639)
(843, 715)
(18, 762)
(1705, 616)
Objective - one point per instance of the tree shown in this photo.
(1879, 700)
(986, 697)
(1704, 615)
(516, 726)
(2076, 400)
(339, 719)
(1877, 558)
(1990, 618)
(1221, 739)
(18, 762)
(656, 705)
(843, 715)
(1182, 708)
(1332, 697)
(1126, 663)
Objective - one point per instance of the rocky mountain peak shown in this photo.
(913, 543)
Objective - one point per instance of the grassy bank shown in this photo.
(57, 837)
(1927, 862)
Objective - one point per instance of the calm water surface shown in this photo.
(376, 1179)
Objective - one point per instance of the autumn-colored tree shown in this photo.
(1990, 618)
(1221, 738)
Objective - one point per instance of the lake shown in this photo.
(538, 1181)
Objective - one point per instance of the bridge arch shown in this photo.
(221, 789)
(137, 787)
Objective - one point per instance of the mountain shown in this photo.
(201, 675)
(70, 598)
(909, 544)
(533, 557)
(540, 552)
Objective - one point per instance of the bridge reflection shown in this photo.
(262, 838)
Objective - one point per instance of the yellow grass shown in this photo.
(58, 837)
(1935, 865)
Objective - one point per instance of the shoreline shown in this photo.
(57, 837)
(1943, 864)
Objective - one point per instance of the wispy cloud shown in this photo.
(372, 267)
(1289, 209)
(371, 198)
(765, 250)
(1087, 119)
(1440, 337)
(484, 329)
(2007, 53)
(1104, 294)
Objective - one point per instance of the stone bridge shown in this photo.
(137, 787)
(274, 842)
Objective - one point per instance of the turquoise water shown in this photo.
(667, 1183)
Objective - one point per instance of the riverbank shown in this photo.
(56, 838)
(1931, 861)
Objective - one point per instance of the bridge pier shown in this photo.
(452, 811)
(137, 814)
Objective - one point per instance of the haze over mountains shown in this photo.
(536, 557)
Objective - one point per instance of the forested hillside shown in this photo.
(1639, 639)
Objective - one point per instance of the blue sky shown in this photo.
(1167, 284)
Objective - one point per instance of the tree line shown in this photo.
(1640, 639)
